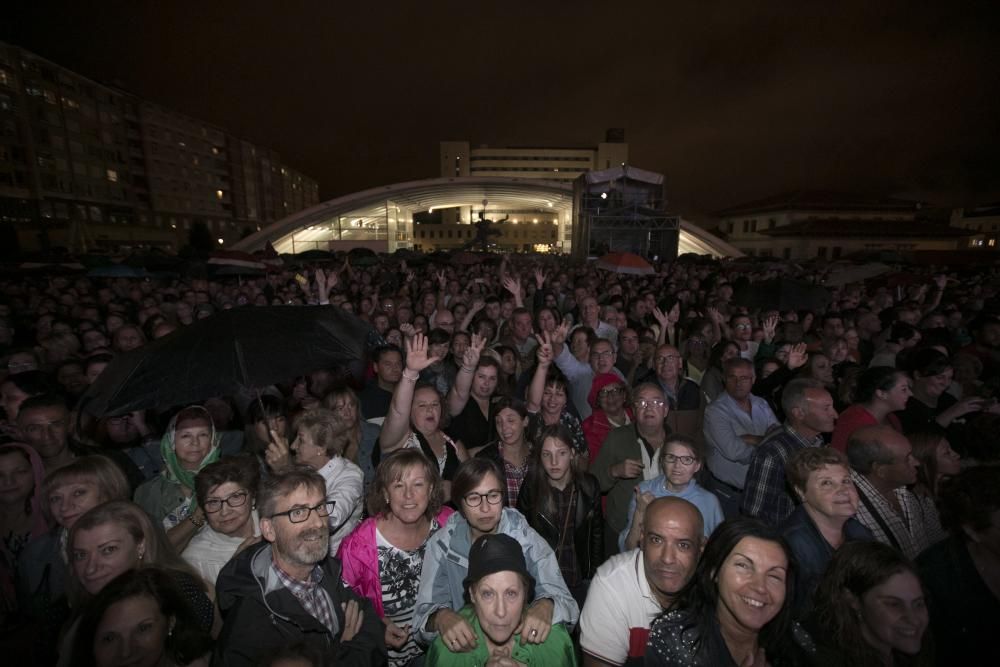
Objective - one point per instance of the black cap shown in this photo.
(496, 553)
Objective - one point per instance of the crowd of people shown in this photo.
(537, 462)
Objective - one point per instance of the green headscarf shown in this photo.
(173, 471)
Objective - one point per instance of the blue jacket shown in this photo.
(813, 553)
(446, 564)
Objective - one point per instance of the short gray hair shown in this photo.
(280, 484)
(794, 395)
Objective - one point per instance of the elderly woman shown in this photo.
(189, 444)
(414, 418)
(481, 492)
(67, 493)
(499, 588)
(961, 572)
(320, 440)
(871, 609)
(383, 557)
(226, 491)
(821, 478)
(362, 435)
(141, 618)
(882, 391)
(21, 517)
(737, 608)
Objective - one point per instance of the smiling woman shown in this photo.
(737, 609)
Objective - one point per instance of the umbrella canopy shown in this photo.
(116, 271)
(236, 258)
(783, 294)
(231, 352)
(362, 256)
(625, 262)
(855, 273)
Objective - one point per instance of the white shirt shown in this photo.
(344, 485)
(619, 605)
(209, 551)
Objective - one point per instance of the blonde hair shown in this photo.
(95, 469)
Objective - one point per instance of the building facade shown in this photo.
(89, 166)
(827, 225)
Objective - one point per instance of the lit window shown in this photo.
(219, 194)
(112, 175)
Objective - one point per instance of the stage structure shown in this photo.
(623, 209)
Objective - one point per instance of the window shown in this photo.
(821, 252)
(112, 175)
(786, 253)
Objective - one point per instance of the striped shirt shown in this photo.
(904, 533)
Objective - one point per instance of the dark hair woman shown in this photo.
(563, 504)
(882, 391)
(737, 608)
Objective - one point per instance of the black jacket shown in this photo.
(260, 615)
(588, 532)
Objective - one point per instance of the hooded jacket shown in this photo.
(260, 614)
(446, 564)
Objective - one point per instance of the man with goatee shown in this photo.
(286, 590)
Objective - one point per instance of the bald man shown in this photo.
(631, 589)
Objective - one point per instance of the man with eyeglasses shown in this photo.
(630, 454)
(480, 491)
(581, 375)
(735, 423)
(882, 467)
(286, 589)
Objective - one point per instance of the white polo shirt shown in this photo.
(619, 610)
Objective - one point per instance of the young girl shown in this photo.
(680, 462)
(564, 505)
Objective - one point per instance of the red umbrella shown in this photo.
(625, 262)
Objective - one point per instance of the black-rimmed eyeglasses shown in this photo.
(238, 499)
(474, 499)
(300, 514)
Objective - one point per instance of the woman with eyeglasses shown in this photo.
(226, 490)
(680, 461)
(609, 399)
(480, 492)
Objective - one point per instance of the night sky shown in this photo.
(731, 103)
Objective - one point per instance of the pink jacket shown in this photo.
(359, 558)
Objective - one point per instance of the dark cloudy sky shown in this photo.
(731, 100)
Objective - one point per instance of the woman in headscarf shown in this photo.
(189, 444)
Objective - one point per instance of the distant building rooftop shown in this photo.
(840, 228)
(818, 200)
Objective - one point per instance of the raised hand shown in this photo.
(797, 356)
(442, 280)
(539, 278)
(472, 353)
(559, 334)
(544, 350)
(407, 330)
(417, 358)
(770, 327)
(715, 315)
(661, 317)
(512, 285)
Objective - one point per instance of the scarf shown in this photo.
(173, 471)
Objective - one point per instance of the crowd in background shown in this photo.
(537, 461)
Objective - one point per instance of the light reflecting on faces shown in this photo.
(679, 465)
(192, 443)
(557, 460)
(425, 410)
(228, 508)
(131, 633)
(16, 478)
(303, 544)
(410, 494)
(830, 492)
(70, 500)
(484, 383)
(947, 459)
(553, 399)
(752, 584)
(671, 544)
(894, 615)
(510, 426)
(499, 600)
(484, 517)
(101, 553)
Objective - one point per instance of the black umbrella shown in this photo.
(228, 353)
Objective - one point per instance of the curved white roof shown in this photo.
(415, 196)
